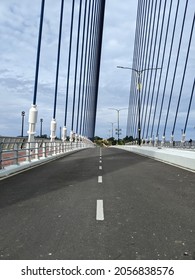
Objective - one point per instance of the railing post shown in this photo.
(54, 149)
(163, 141)
(156, 141)
(44, 152)
(50, 148)
(183, 139)
(28, 152)
(37, 150)
(65, 147)
(1, 156)
(171, 141)
(47, 148)
(16, 153)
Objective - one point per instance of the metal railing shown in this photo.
(14, 151)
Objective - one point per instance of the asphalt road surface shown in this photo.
(98, 203)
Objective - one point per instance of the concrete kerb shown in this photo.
(180, 158)
(15, 169)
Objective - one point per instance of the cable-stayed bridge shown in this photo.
(70, 199)
(161, 101)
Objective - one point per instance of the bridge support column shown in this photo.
(64, 134)
(33, 114)
(71, 138)
(171, 141)
(163, 141)
(183, 139)
(53, 130)
(156, 142)
(76, 140)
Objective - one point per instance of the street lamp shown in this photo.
(23, 115)
(118, 111)
(112, 127)
(41, 127)
(139, 73)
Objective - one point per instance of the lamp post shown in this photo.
(112, 128)
(23, 115)
(118, 111)
(41, 127)
(139, 74)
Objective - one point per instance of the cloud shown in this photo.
(19, 26)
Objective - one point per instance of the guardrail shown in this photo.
(175, 144)
(14, 151)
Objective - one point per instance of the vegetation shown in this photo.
(112, 141)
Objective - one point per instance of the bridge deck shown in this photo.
(51, 212)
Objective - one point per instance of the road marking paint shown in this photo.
(100, 167)
(99, 210)
(100, 161)
(99, 179)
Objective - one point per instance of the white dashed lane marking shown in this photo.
(99, 210)
(99, 179)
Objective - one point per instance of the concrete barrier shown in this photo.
(181, 158)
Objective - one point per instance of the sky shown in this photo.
(19, 24)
